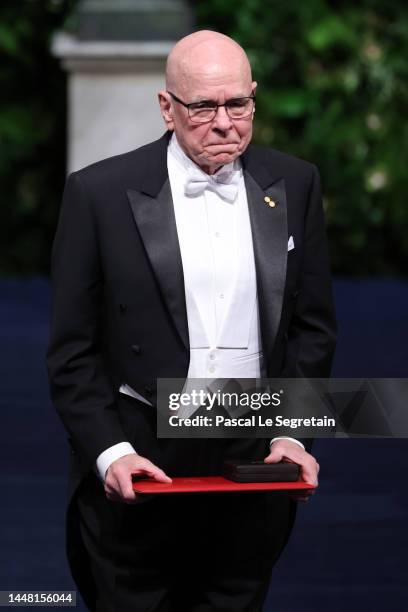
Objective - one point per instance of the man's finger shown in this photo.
(277, 455)
(309, 470)
(118, 479)
(147, 467)
(155, 473)
(309, 467)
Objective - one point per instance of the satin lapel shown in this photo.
(156, 223)
(270, 241)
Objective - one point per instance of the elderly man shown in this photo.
(197, 255)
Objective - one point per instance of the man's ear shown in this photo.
(254, 86)
(166, 109)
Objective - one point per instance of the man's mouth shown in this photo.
(225, 147)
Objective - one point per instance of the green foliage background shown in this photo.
(332, 88)
(32, 133)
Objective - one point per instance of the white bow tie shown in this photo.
(224, 183)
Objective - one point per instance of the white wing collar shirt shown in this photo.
(215, 239)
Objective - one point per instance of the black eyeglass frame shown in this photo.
(215, 106)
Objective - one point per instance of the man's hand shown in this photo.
(285, 450)
(118, 480)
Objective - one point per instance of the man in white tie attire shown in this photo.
(197, 256)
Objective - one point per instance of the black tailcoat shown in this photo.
(119, 311)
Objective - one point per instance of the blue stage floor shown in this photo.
(348, 552)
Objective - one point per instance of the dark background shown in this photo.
(332, 89)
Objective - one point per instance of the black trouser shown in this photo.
(179, 553)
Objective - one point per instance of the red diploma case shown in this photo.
(214, 484)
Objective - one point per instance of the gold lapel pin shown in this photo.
(269, 201)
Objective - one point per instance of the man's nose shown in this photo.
(221, 120)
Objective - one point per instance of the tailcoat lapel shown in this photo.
(270, 243)
(153, 212)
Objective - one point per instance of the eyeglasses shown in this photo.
(205, 111)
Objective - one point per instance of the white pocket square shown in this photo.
(126, 390)
(291, 243)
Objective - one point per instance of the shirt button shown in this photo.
(212, 356)
(211, 369)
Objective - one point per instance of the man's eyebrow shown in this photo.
(203, 100)
(236, 97)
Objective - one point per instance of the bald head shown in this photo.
(206, 69)
(204, 51)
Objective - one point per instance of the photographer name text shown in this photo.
(254, 420)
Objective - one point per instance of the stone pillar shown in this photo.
(113, 79)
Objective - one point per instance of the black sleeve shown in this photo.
(80, 386)
(312, 331)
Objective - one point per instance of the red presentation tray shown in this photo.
(208, 484)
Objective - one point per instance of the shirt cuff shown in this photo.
(110, 455)
(287, 438)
